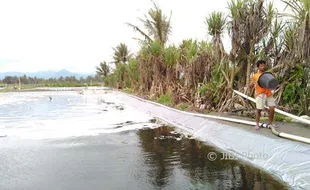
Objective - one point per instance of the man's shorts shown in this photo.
(262, 100)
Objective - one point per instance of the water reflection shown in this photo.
(166, 154)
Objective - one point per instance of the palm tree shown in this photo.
(121, 54)
(157, 28)
(249, 25)
(300, 41)
(171, 57)
(103, 69)
(301, 11)
(216, 23)
(157, 24)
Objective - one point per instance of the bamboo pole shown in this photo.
(276, 110)
(280, 134)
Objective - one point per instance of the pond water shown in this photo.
(94, 141)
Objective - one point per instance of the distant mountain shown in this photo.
(47, 74)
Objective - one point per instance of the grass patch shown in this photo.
(182, 106)
(207, 111)
(279, 117)
(288, 119)
(166, 99)
(129, 91)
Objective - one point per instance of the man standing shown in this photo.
(263, 96)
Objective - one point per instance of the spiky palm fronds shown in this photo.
(301, 16)
(301, 42)
(157, 24)
(216, 23)
(121, 54)
(171, 56)
(249, 25)
(103, 69)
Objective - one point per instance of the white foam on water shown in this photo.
(82, 115)
(10, 98)
(14, 98)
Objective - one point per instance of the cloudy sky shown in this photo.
(38, 35)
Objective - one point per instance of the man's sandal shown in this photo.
(264, 125)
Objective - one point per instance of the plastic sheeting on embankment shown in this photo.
(289, 160)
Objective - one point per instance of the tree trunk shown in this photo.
(248, 72)
(249, 65)
(232, 77)
(305, 90)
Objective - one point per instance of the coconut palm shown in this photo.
(153, 70)
(121, 54)
(103, 69)
(157, 25)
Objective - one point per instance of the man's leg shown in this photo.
(260, 104)
(271, 114)
(258, 114)
(271, 104)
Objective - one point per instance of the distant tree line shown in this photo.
(61, 81)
